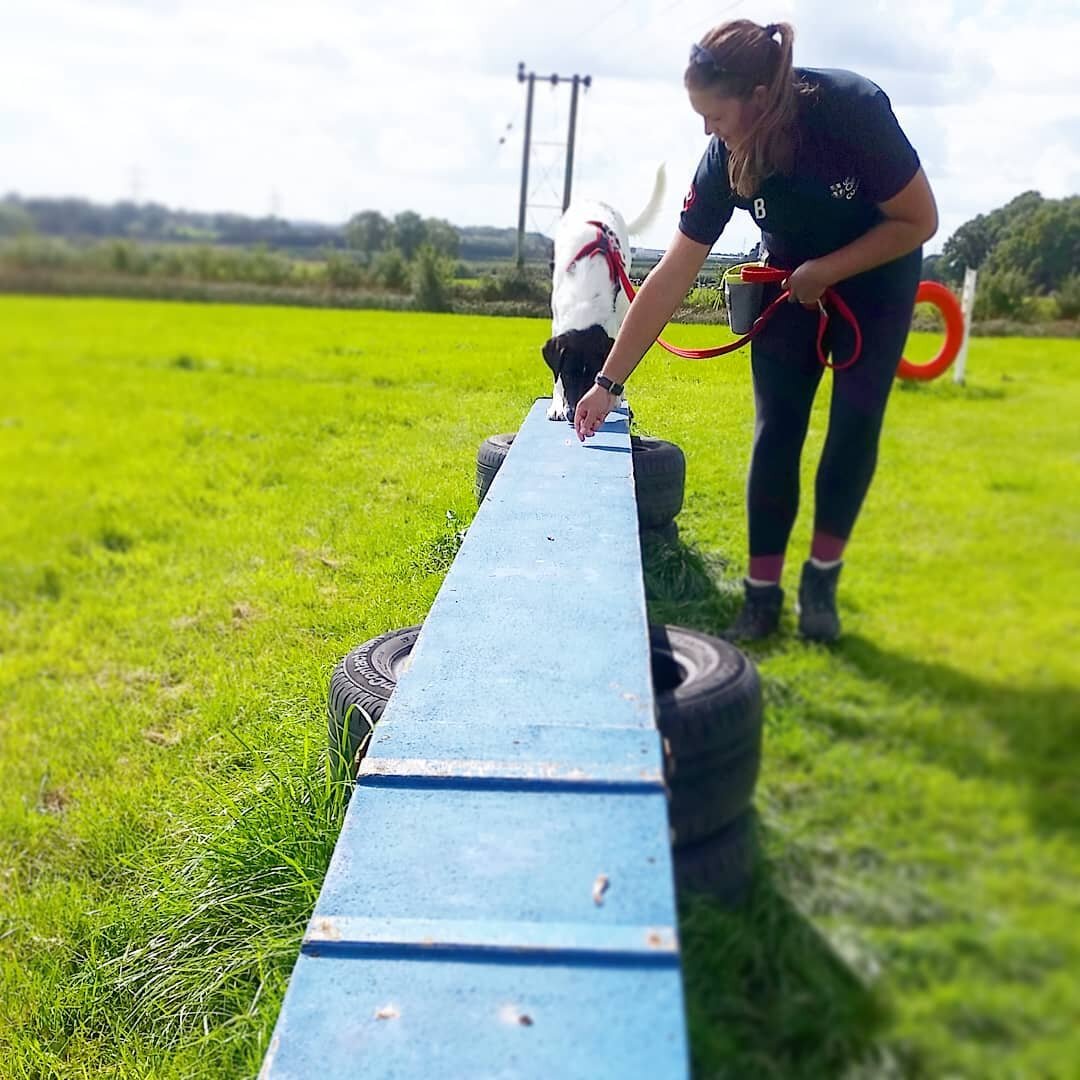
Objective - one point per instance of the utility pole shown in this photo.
(570, 137)
(524, 163)
(576, 81)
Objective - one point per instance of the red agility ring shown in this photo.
(932, 292)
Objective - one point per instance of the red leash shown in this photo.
(602, 246)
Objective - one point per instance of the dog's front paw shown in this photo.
(557, 411)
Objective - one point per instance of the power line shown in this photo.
(604, 18)
(641, 30)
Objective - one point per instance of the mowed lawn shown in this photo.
(202, 508)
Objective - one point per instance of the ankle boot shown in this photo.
(818, 619)
(760, 615)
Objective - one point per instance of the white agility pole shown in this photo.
(967, 304)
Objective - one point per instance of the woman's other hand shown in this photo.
(807, 283)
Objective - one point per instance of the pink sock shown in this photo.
(766, 568)
(827, 548)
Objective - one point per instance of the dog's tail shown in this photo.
(645, 218)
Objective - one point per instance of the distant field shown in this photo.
(202, 508)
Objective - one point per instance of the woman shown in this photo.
(818, 159)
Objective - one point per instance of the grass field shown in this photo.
(202, 508)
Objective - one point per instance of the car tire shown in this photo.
(709, 794)
(721, 866)
(708, 694)
(360, 687)
(659, 480)
(708, 713)
(489, 458)
(659, 475)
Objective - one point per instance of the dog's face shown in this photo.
(576, 358)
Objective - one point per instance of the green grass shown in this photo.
(203, 508)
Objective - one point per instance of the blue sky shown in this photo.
(319, 109)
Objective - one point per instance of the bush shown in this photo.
(516, 284)
(33, 253)
(705, 296)
(343, 272)
(170, 264)
(1004, 294)
(515, 309)
(431, 280)
(1067, 297)
(207, 265)
(927, 319)
(1043, 308)
(122, 257)
(390, 269)
(264, 268)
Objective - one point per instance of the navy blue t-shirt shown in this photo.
(850, 155)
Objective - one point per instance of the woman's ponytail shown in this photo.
(735, 58)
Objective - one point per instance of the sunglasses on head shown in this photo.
(701, 56)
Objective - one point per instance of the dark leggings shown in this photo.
(786, 376)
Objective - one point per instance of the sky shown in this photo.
(317, 110)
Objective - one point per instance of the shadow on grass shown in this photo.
(767, 995)
(681, 586)
(950, 391)
(1039, 725)
(685, 587)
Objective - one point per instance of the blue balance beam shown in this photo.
(500, 901)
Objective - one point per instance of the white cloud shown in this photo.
(335, 107)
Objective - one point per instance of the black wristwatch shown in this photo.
(611, 387)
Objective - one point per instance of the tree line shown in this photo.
(366, 233)
(1033, 236)
(1025, 250)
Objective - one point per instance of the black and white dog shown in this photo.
(588, 303)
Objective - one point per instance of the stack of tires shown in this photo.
(709, 715)
(659, 479)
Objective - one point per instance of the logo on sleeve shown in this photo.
(691, 198)
(846, 188)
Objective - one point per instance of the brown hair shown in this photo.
(731, 60)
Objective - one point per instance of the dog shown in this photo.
(588, 303)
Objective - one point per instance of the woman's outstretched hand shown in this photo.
(592, 411)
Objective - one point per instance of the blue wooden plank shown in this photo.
(505, 853)
(530, 855)
(377, 1018)
(541, 618)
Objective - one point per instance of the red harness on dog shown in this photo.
(602, 245)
